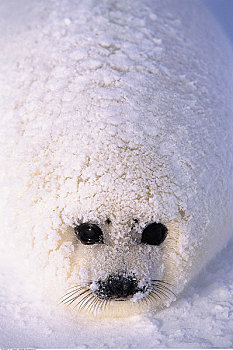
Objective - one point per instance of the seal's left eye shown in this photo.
(154, 234)
(89, 233)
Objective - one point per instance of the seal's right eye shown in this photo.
(89, 233)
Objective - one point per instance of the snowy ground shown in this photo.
(202, 317)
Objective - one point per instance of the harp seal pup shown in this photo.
(116, 147)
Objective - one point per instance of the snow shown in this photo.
(202, 316)
(74, 83)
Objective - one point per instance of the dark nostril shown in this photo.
(121, 286)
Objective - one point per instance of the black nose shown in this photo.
(117, 286)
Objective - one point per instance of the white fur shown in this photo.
(120, 110)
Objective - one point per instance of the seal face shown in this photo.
(112, 256)
(121, 285)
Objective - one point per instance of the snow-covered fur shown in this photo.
(114, 110)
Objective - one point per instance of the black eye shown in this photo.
(89, 233)
(154, 234)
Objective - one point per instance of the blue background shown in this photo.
(223, 11)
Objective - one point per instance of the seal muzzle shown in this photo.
(117, 287)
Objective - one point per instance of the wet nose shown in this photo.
(121, 286)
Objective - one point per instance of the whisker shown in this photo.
(105, 304)
(149, 297)
(86, 283)
(98, 305)
(65, 297)
(80, 303)
(161, 292)
(83, 298)
(73, 289)
(154, 293)
(87, 301)
(145, 300)
(91, 303)
(166, 289)
(73, 286)
(163, 286)
(161, 281)
(70, 301)
(95, 304)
